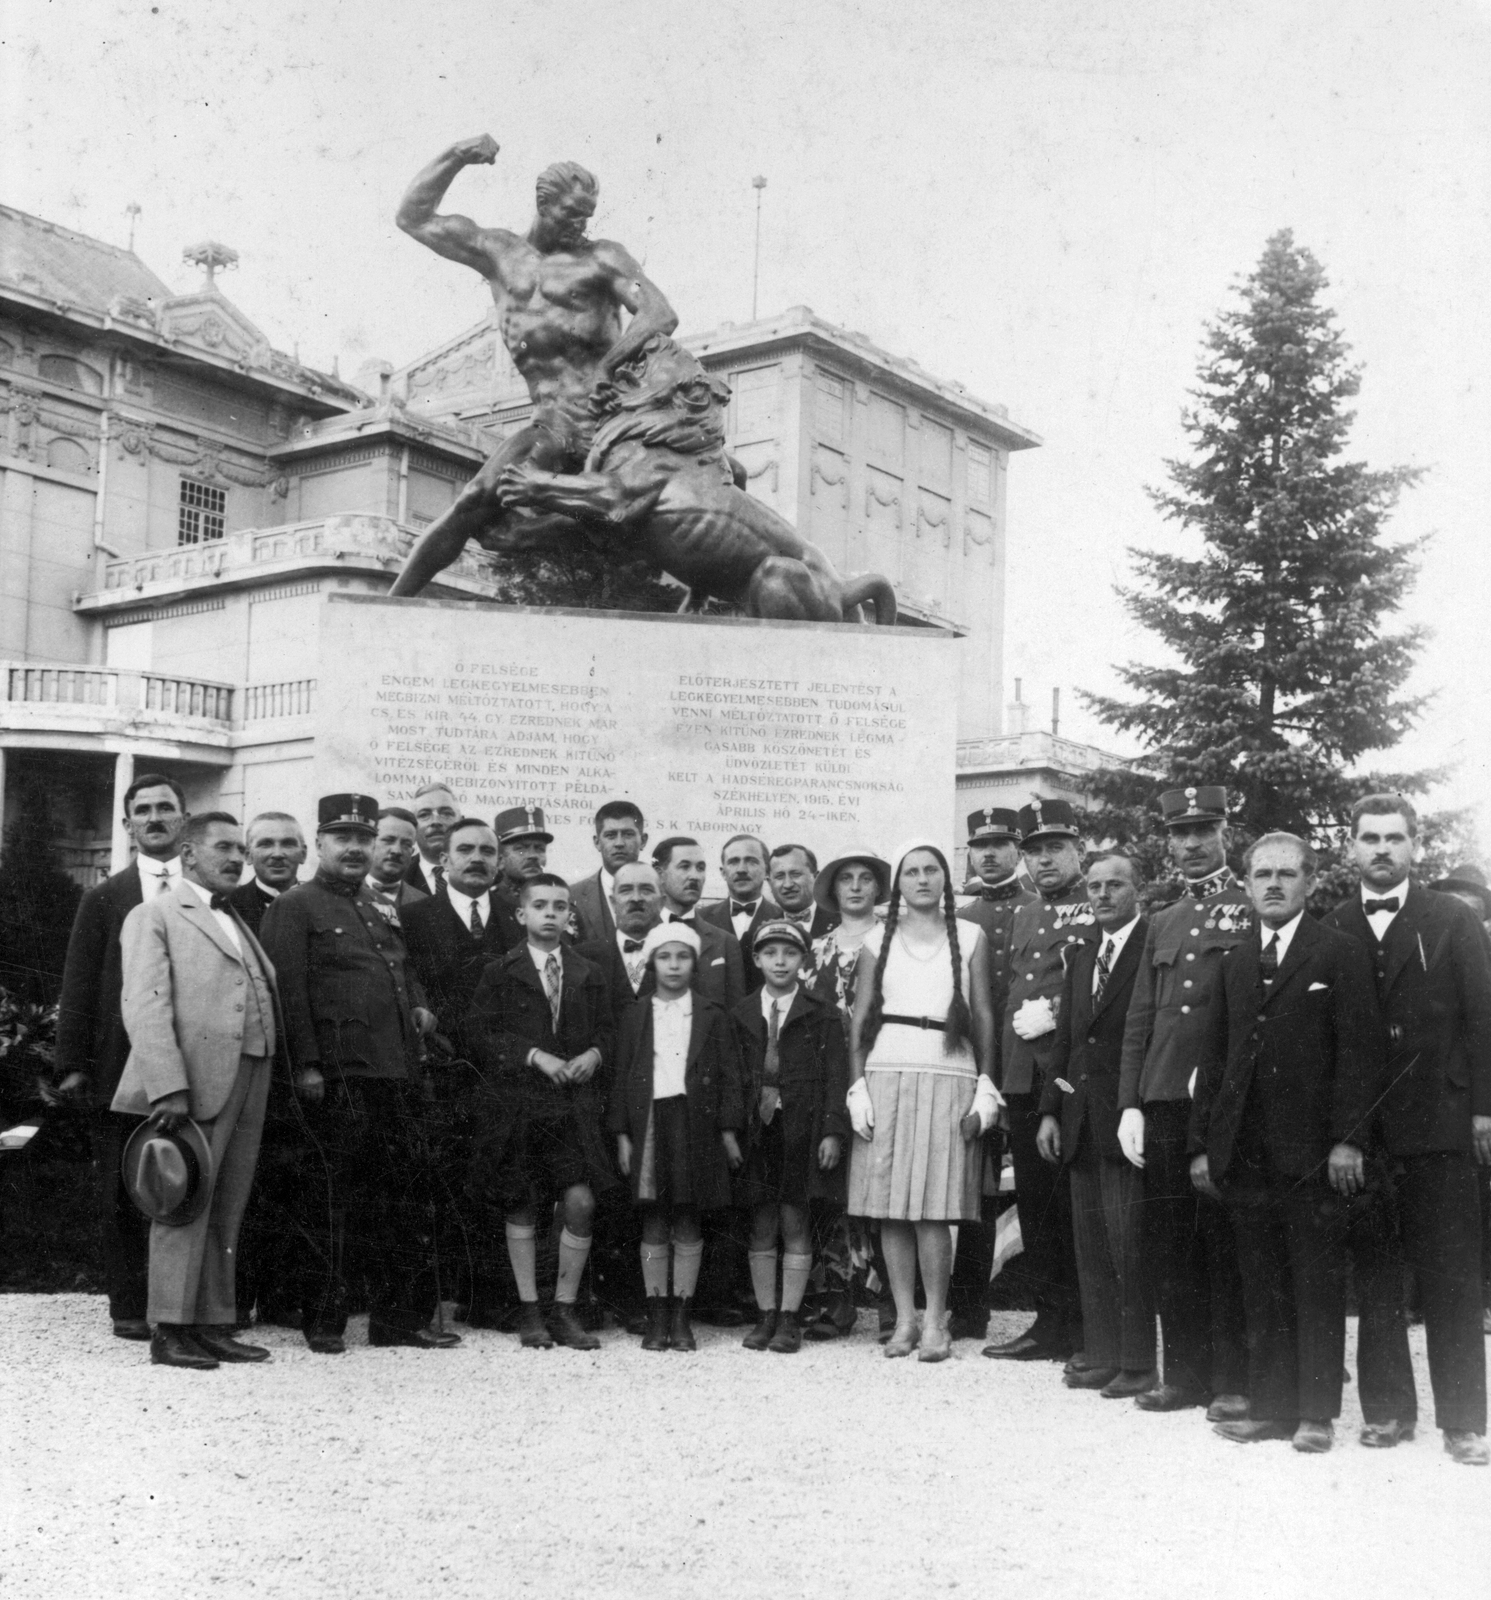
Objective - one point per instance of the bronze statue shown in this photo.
(627, 431)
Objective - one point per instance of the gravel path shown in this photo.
(492, 1471)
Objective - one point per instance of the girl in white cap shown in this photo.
(676, 1110)
(921, 1094)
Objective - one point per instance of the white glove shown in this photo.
(986, 1102)
(861, 1111)
(1131, 1135)
(1034, 1018)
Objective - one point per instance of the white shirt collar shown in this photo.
(273, 894)
(607, 882)
(768, 1000)
(464, 902)
(1119, 936)
(683, 1005)
(1286, 935)
(151, 871)
(1381, 921)
(540, 958)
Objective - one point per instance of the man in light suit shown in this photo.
(620, 835)
(199, 1005)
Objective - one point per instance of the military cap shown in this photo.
(780, 933)
(1048, 819)
(993, 822)
(521, 822)
(1203, 803)
(334, 811)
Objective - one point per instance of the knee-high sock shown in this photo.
(795, 1270)
(764, 1278)
(686, 1259)
(573, 1252)
(522, 1251)
(654, 1268)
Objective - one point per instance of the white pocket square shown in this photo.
(718, 961)
(1314, 986)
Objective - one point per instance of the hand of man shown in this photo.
(582, 1068)
(1347, 1170)
(732, 1150)
(1034, 1019)
(310, 1085)
(829, 1151)
(1131, 1135)
(1201, 1177)
(424, 1022)
(171, 1110)
(861, 1111)
(624, 1154)
(1480, 1131)
(1048, 1140)
(551, 1066)
(480, 150)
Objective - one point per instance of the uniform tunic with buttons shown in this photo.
(994, 911)
(1178, 972)
(1044, 931)
(345, 989)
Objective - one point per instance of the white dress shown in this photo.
(917, 1167)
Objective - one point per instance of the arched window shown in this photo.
(73, 374)
(67, 455)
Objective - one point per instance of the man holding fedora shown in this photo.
(199, 1005)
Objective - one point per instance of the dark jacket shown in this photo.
(814, 1067)
(719, 975)
(712, 1089)
(590, 910)
(347, 993)
(90, 1031)
(1434, 990)
(605, 956)
(1298, 1066)
(718, 917)
(1089, 1049)
(994, 910)
(1043, 930)
(251, 903)
(450, 963)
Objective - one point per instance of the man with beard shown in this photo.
(355, 1017)
(92, 1045)
(1040, 946)
(435, 809)
(620, 834)
(1189, 1253)
(276, 853)
(395, 850)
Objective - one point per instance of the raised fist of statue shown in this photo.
(480, 150)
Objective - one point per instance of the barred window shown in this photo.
(200, 516)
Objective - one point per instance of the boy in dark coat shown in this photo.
(676, 1111)
(541, 1023)
(796, 1075)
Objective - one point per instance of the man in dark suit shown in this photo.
(747, 905)
(681, 871)
(620, 835)
(92, 1045)
(276, 853)
(395, 850)
(792, 872)
(435, 809)
(1427, 954)
(636, 906)
(1079, 1129)
(1290, 1069)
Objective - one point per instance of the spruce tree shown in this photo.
(1285, 673)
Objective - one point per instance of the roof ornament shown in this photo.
(212, 257)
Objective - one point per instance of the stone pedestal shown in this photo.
(834, 736)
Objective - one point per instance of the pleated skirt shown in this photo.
(917, 1167)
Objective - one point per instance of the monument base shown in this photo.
(836, 736)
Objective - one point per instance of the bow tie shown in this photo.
(219, 902)
(739, 908)
(630, 947)
(1371, 907)
(688, 922)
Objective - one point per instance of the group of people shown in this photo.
(362, 1082)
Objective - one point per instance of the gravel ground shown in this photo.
(495, 1471)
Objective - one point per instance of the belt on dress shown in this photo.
(914, 1022)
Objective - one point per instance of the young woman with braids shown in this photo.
(921, 1092)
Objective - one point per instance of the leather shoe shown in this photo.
(1090, 1378)
(221, 1344)
(656, 1335)
(1169, 1397)
(680, 1331)
(173, 1346)
(1077, 1363)
(1128, 1385)
(532, 1333)
(1314, 1438)
(132, 1328)
(1023, 1348)
(325, 1344)
(382, 1333)
(567, 1331)
(1251, 1430)
(1384, 1435)
(787, 1340)
(1227, 1408)
(760, 1337)
(1468, 1448)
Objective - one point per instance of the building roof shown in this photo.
(70, 269)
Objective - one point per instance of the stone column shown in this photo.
(124, 775)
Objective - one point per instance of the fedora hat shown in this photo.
(1466, 879)
(168, 1174)
(823, 884)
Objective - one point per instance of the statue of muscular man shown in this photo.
(559, 301)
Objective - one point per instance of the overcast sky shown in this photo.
(1045, 202)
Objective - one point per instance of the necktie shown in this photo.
(771, 1094)
(476, 922)
(1268, 962)
(1373, 906)
(1105, 966)
(437, 876)
(553, 985)
(162, 881)
(739, 908)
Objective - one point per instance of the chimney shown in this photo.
(1055, 712)
(1016, 713)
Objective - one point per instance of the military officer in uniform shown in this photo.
(998, 890)
(1043, 933)
(1189, 1255)
(354, 1018)
(522, 853)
